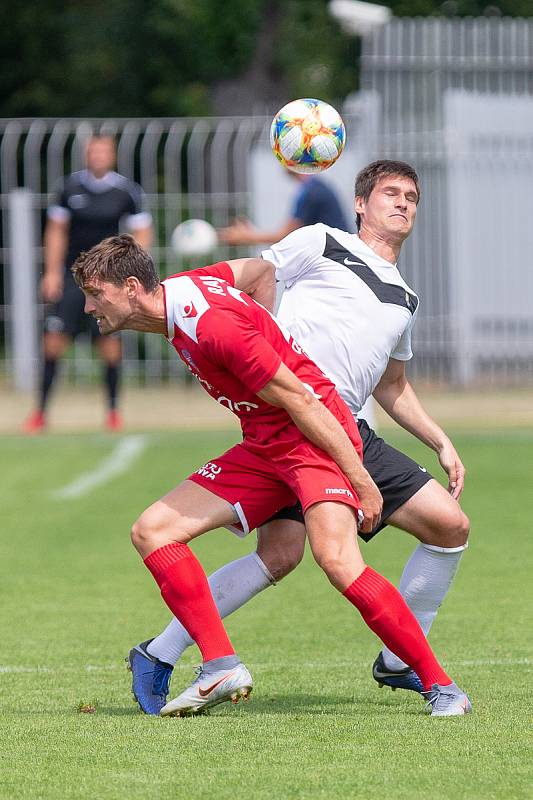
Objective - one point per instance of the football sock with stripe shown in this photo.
(386, 613)
(231, 586)
(186, 592)
(424, 584)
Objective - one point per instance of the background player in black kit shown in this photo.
(90, 207)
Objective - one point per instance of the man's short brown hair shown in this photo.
(367, 179)
(114, 260)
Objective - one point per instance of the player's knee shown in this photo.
(150, 532)
(281, 561)
(453, 528)
(331, 560)
(140, 534)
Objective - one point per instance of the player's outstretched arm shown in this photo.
(256, 277)
(397, 397)
(319, 425)
(243, 232)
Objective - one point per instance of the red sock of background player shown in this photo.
(186, 592)
(385, 611)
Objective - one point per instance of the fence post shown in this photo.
(22, 297)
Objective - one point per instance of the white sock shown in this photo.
(231, 586)
(424, 584)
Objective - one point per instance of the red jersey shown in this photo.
(234, 347)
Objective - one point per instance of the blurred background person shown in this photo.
(91, 206)
(315, 202)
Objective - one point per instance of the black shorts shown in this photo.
(396, 475)
(67, 315)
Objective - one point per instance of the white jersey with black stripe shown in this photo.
(349, 309)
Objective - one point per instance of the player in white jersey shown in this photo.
(346, 303)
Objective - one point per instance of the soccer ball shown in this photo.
(307, 135)
(194, 237)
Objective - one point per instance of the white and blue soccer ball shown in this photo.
(307, 135)
(194, 237)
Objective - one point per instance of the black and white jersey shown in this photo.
(95, 208)
(348, 308)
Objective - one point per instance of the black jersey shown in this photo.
(95, 207)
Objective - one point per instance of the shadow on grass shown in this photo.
(265, 705)
(294, 704)
(317, 705)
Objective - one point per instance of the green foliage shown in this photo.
(316, 58)
(162, 57)
(121, 58)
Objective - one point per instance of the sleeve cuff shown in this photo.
(260, 384)
(136, 222)
(58, 214)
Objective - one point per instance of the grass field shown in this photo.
(75, 598)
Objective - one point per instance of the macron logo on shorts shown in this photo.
(209, 470)
(346, 492)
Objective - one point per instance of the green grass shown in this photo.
(75, 598)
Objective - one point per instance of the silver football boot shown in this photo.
(210, 690)
(447, 701)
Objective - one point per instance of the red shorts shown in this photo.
(258, 486)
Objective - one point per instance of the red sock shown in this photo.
(186, 592)
(386, 613)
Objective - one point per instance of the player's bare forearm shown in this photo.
(242, 232)
(319, 425)
(55, 243)
(401, 403)
(144, 236)
(55, 249)
(397, 397)
(256, 277)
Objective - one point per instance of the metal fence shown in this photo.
(454, 97)
(187, 168)
(468, 258)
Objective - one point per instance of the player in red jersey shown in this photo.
(299, 442)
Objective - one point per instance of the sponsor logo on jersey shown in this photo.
(189, 311)
(209, 470)
(422, 469)
(345, 492)
(350, 263)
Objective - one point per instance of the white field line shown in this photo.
(119, 461)
(482, 662)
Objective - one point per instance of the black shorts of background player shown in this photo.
(91, 206)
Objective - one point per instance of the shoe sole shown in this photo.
(242, 693)
(381, 683)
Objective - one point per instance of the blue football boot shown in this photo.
(150, 679)
(403, 679)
